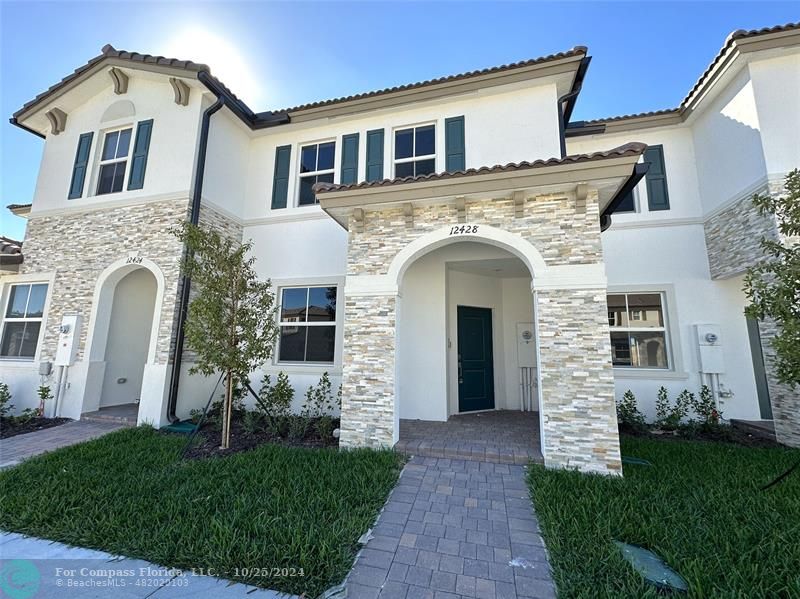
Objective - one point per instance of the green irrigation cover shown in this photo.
(652, 568)
(184, 427)
(636, 461)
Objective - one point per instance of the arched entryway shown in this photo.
(466, 353)
(128, 339)
(123, 332)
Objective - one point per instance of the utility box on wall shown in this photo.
(709, 342)
(69, 335)
(526, 345)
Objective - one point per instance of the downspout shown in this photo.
(566, 103)
(186, 283)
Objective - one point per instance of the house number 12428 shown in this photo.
(463, 229)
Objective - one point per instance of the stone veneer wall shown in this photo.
(733, 241)
(578, 389)
(733, 238)
(579, 410)
(367, 414)
(78, 247)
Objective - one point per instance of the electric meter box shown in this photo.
(709, 343)
(526, 345)
(69, 334)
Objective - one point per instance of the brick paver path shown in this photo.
(21, 447)
(454, 528)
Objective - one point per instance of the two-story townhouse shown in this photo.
(425, 280)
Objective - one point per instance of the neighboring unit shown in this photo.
(594, 258)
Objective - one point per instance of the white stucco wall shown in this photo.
(516, 125)
(171, 155)
(672, 260)
(727, 134)
(776, 87)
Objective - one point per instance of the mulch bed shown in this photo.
(722, 434)
(11, 428)
(207, 440)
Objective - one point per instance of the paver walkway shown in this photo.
(22, 447)
(504, 436)
(44, 569)
(454, 528)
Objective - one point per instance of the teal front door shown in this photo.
(475, 366)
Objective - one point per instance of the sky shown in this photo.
(646, 55)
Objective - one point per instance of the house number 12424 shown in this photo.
(463, 229)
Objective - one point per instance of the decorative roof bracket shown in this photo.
(58, 120)
(120, 80)
(408, 212)
(181, 91)
(461, 208)
(581, 193)
(519, 203)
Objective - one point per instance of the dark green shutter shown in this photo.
(349, 158)
(375, 155)
(280, 181)
(454, 144)
(657, 193)
(81, 164)
(139, 159)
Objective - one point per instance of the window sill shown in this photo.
(17, 362)
(300, 368)
(648, 373)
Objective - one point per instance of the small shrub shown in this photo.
(297, 427)
(319, 399)
(324, 427)
(27, 415)
(44, 395)
(668, 416)
(252, 422)
(5, 400)
(195, 415)
(705, 408)
(275, 401)
(628, 414)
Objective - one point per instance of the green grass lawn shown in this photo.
(699, 507)
(128, 493)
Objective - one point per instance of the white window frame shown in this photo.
(414, 127)
(5, 296)
(302, 175)
(634, 329)
(101, 163)
(332, 368)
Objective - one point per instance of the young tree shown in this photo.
(230, 323)
(773, 285)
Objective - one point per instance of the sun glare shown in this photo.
(225, 60)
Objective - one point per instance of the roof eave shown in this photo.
(336, 203)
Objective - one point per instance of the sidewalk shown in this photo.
(38, 569)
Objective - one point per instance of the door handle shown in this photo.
(460, 376)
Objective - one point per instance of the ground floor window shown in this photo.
(638, 330)
(22, 320)
(308, 324)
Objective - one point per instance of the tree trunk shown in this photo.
(226, 412)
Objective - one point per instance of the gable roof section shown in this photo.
(672, 116)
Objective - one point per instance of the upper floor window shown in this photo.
(308, 324)
(114, 161)
(22, 320)
(415, 151)
(316, 166)
(638, 331)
